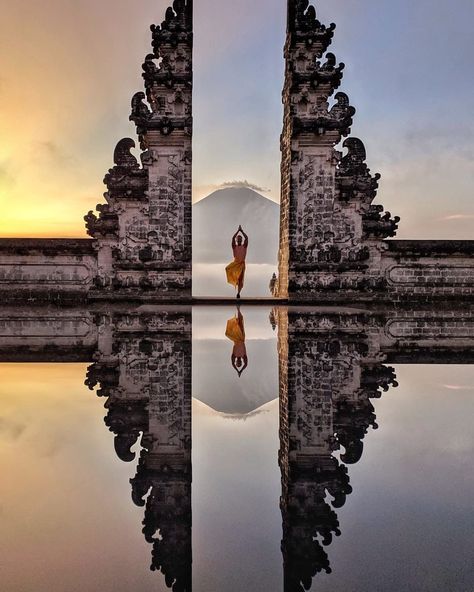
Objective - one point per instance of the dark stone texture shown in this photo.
(332, 236)
(49, 246)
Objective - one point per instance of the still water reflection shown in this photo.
(246, 441)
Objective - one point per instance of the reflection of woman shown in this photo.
(235, 331)
(236, 270)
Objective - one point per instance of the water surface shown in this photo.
(340, 481)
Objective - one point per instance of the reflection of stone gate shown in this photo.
(332, 365)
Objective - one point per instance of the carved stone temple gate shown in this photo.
(141, 236)
(144, 231)
(332, 236)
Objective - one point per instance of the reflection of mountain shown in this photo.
(216, 218)
(204, 409)
(216, 384)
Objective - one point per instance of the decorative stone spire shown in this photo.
(303, 26)
(144, 231)
(168, 77)
(331, 236)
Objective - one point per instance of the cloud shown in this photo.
(6, 177)
(459, 217)
(243, 184)
(450, 136)
(53, 152)
(243, 416)
(11, 429)
(433, 189)
(458, 387)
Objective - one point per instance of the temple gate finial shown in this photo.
(331, 236)
(143, 233)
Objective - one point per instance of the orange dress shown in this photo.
(236, 270)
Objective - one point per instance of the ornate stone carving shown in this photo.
(177, 26)
(329, 227)
(125, 181)
(311, 74)
(353, 177)
(306, 28)
(143, 233)
(324, 284)
(167, 74)
(379, 224)
(104, 225)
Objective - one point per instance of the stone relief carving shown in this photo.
(328, 221)
(302, 19)
(143, 233)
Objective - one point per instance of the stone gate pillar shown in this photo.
(143, 233)
(331, 234)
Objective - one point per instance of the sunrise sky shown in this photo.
(70, 67)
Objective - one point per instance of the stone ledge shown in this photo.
(419, 354)
(51, 246)
(431, 248)
(24, 353)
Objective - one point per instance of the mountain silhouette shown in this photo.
(217, 217)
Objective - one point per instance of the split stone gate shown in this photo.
(333, 238)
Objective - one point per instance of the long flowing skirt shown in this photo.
(235, 272)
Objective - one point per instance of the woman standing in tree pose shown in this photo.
(236, 270)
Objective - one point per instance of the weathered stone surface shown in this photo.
(143, 233)
(423, 269)
(52, 270)
(332, 236)
(328, 223)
